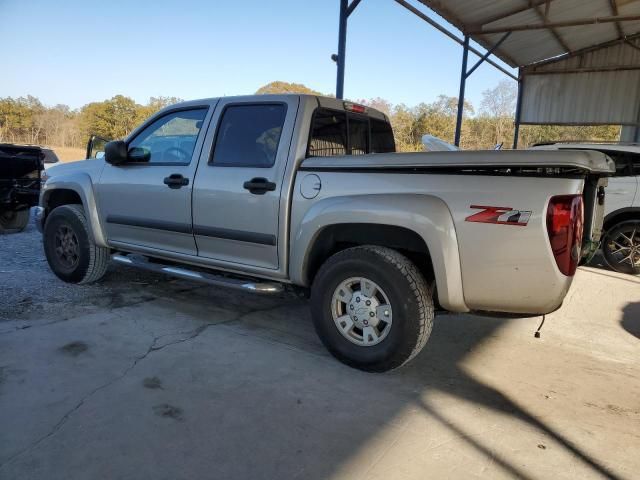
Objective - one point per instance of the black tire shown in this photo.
(87, 262)
(408, 294)
(617, 238)
(14, 222)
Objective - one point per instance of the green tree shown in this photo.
(285, 87)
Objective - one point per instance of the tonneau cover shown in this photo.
(590, 161)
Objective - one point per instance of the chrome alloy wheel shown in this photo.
(361, 311)
(67, 247)
(625, 247)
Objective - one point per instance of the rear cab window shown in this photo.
(336, 132)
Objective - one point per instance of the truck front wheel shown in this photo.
(372, 308)
(69, 249)
(14, 222)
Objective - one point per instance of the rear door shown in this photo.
(236, 197)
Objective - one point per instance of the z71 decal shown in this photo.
(500, 216)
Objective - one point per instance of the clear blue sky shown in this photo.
(78, 51)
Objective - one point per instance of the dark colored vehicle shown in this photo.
(20, 169)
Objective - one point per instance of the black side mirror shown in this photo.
(115, 152)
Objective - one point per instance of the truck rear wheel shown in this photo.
(14, 222)
(69, 249)
(372, 308)
(621, 247)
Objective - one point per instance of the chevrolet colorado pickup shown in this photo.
(261, 192)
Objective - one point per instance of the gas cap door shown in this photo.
(310, 186)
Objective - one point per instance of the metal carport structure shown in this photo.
(578, 61)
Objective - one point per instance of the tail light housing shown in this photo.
(564, 227)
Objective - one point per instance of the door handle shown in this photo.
(259, 186)
(176, 180)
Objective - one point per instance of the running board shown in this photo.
(209, 278)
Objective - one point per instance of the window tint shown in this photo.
(248, 135)
(338, 133)
(359, 135)
(170, 139)
(382, 137)
(329, 134)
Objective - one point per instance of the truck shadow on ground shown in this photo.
(453, 339)
(631, 319)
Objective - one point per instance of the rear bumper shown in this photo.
(38, 216)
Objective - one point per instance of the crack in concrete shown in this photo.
(152, 348)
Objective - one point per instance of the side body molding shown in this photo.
(81, 184)
(426, 215)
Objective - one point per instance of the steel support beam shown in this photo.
(463, 85)
(489, 52)
(342, 47)
(516, 129)
(443, 30)
(346, 9)
(560, 24)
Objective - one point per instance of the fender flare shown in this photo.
(426, 215)
(81, 184)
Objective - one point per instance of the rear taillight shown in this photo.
(564, 226)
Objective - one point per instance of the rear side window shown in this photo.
(336, 133)
(248, 135)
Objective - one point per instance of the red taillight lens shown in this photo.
(564, 226)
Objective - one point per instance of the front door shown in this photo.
(236, 198)
(146, 201)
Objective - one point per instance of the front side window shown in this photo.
(248, 135)
(170, 139)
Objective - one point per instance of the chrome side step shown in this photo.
(139, 261)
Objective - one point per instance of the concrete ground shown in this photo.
(145, 377)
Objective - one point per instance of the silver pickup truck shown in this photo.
(263, 192)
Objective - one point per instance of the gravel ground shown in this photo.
(31, 292)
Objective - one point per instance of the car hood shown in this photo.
(92, 167)
(73, 167)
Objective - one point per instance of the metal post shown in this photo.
(342, 44)
(463, 84)
(516, 130)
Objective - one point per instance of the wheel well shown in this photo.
(623, 215)
(339, 237)
(62, 197)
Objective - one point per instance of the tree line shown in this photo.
(27, 120)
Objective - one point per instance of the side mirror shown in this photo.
(115, 152)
